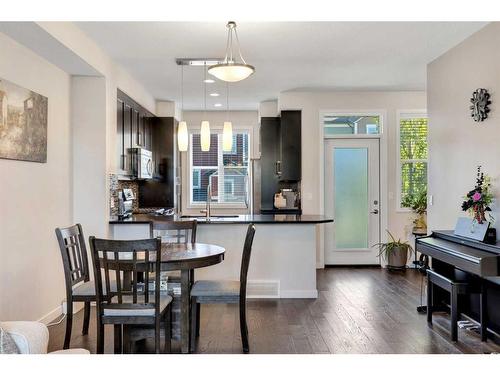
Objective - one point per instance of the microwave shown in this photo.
(142, 163)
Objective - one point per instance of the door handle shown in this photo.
(375, 211)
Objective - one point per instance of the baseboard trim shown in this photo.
(51, 316)
(299, 293)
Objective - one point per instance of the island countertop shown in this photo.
(226, 219)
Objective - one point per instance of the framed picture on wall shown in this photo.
(23, 123)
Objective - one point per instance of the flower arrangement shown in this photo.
(477, 201)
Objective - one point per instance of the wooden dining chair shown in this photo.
(79, 287)
(174, 232)
(133, 305)
(224, 291)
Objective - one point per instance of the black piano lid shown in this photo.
(451, 236)
(468, 255)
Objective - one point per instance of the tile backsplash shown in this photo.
(115, 185)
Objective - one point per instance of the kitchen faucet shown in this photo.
(206, 211)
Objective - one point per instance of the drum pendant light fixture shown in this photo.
(232, 70)
(227, 133)
(182, 131)
(205, 125)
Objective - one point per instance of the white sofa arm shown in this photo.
(30, 337)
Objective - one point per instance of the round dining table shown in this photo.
(186, 257)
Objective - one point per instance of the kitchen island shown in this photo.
(283, 262)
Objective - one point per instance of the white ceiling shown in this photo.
(286, 55)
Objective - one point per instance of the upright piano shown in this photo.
(466, 258)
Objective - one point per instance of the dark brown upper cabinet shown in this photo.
(289, 167)
(133, 129)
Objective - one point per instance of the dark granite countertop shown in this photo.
(226, 219)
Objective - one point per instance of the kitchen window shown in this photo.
(413, 154)
(226, 171)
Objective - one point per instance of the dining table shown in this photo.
(186, 257)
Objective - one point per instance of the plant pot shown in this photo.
(397, 258)
(420, 223)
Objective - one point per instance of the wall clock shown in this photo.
(480, 104)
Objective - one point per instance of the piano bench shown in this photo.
(455, 288)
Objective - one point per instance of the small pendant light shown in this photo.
(205, 125)
(227, 135)
(182, 131)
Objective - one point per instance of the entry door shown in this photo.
(352, 198)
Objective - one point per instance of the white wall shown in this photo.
(245, 119)
(35, 198)
(457, 144)
(311, 103)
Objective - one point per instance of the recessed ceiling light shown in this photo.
(214, 94)
(217, 105)
(208, 81)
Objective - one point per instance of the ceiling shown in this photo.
(287, 56)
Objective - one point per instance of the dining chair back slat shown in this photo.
(175, 231)
(74, 254)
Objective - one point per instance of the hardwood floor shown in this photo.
(359, 310)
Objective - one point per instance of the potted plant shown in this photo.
(418, 204)
(395, 252)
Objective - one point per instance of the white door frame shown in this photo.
(382, 113)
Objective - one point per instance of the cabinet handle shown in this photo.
(278, 165)
(139, 139)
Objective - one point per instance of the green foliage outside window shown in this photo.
(413, 155)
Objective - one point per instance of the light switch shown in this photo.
(430, 201)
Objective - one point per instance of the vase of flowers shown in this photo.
(477, 201)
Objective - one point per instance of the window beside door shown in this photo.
(226, 171)
(412, 155)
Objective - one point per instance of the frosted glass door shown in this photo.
(350, 170)
(352, 199)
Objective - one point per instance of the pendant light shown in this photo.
(232, 70)
(182, 131)
(205, 125)
(227, 134)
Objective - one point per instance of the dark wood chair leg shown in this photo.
(194, 323)
(100, 338)
(483, 314)
(69, 323)
(86, 318)
(168, 329)
(118, 339)
(198, 312)
(244, 328)
(454, 313)
(429, 300)
(126, 343)
(157, 336)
